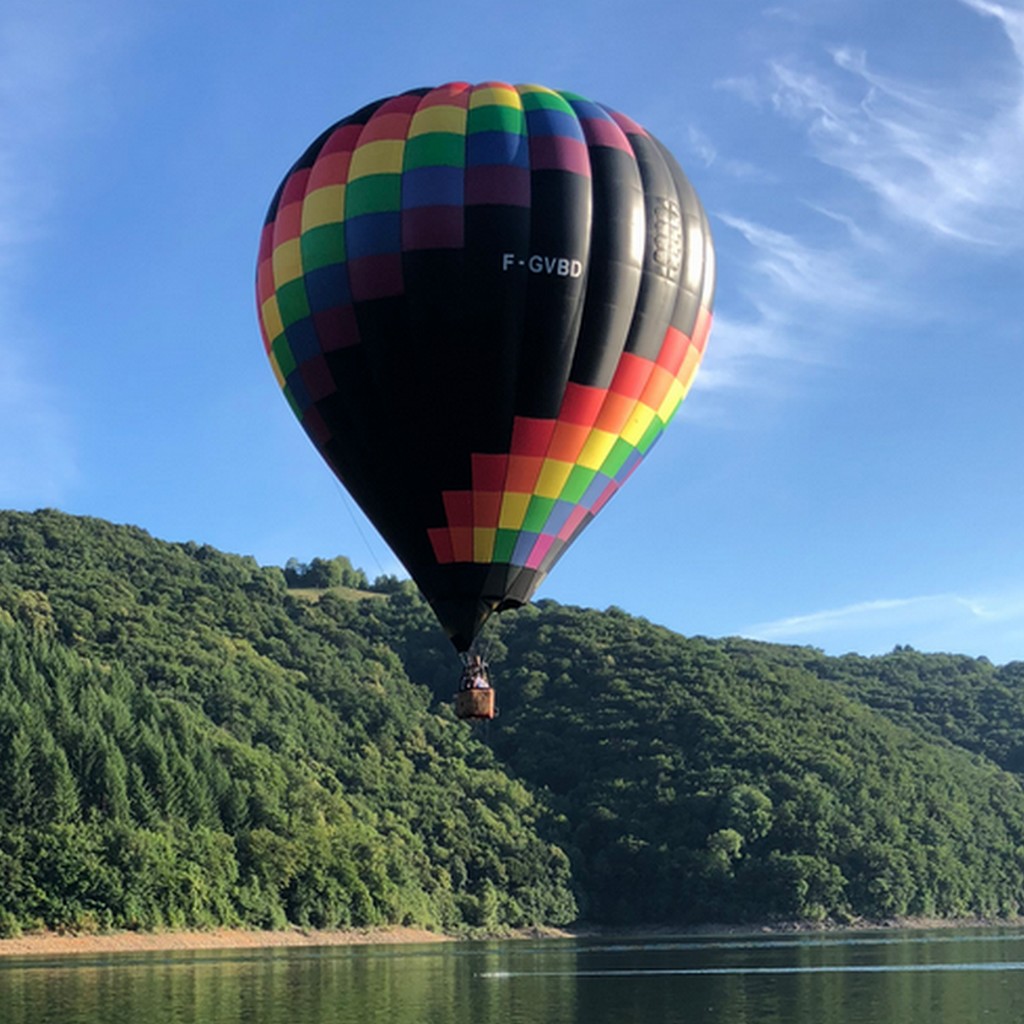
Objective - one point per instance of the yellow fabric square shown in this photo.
(637, 424)
(381, 157)
(536, 88)
(672, 400)
(494, 97)
(553, 474)
(287, 262)
(278, 375)
(271, 317)
(438, 119)
(513, 510)
(323, 206)
(483, 543)
(596, 450)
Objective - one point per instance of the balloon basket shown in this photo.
(470, 704)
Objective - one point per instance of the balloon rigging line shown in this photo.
(359, 528)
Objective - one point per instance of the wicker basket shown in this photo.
(474, 703)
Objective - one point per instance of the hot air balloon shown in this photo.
(484, 303)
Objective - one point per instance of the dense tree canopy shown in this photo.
(183, 743)
(185, 740)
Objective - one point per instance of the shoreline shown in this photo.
(55, 944)
(58, 944)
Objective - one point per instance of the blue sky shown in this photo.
(847, 471)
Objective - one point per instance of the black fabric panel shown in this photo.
(613, 277)
(559, 230)
(494, 301)
(660, 279)
(696, 243)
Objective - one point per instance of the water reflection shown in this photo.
(941, 978)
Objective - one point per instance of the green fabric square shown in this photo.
(504, 545)
(322, 246)
(496, 119)
(577, 484)
(544, 101)
(435, 149)
(651, 435)
(621, 451)
(283, 355)
(376, 193)
(291, 401)
(537, 514)
(292, 301)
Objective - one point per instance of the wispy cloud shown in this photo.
(910, 158)
(993, 624)
(946, 162)
(50, 59)
(800, 297)
(707, 152)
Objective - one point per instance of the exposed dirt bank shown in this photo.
(54, 944)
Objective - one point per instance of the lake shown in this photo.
(940, 977)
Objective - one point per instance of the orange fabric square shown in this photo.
(568, 441)
(615, 413)
(523, 471)
(657, 387)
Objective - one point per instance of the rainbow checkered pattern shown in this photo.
(524, 508)
(549, 250)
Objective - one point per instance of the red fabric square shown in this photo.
(531, 436)
(462, 543)
(441, 541)
(489, 472)
(287, 223)
(330, 169)
(486, 507)
(581, 404)
(458, 507)
(631, 375)
(294, 188)
(386, 125)
(673, 350)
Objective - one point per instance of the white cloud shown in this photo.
(947, 162)
(911, 159)
(706, 151)
(798, 273)
(800, 299)
(989, 624)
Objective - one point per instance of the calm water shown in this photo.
(875, 978)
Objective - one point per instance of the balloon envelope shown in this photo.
(484, 304)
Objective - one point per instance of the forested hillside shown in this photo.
(178, 747)
(186, 741)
